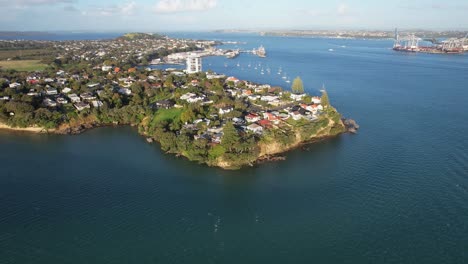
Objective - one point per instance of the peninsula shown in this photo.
(206, 117)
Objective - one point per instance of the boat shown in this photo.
(331, 50)
(260, 52)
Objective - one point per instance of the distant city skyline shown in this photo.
(202, 15)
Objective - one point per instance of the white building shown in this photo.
(194, 64)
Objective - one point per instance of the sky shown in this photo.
(201, 15)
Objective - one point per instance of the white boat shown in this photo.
(331, 50)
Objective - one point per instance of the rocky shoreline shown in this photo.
(269, 155)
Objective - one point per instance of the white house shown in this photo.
(81, 106)
(316, 100)
(51, 91)
(74, 98)
(97, 103)
(50, 103)
(15, 85)
(255, 128)
(225, 110)
(125, 91)
(61, 100)
(297, 97)
(106, 68)
(66, 90)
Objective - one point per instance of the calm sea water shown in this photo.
(395, 193)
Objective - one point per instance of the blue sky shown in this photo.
(191, 15)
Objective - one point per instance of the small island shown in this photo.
(206, 117)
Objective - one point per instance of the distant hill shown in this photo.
(137, 36)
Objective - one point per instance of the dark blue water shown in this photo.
(395, 193)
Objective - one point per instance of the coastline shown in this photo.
(37, 130)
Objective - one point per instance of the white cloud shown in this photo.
(29, 3)
(128, 9)
(174, 6)
(342, 9)
(125, 9)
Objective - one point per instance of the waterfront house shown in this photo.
(255, 128)
(81, 106)
(316, 100)
(297, 97)
(165, 104)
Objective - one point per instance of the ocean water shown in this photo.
(397, 192)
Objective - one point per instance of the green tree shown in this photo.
(297, 86)
(231, 137)
(324, 100)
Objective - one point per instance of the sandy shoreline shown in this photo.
(25, 129)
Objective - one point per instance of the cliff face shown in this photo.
(275, 148)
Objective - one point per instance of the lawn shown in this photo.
(167, 115)
(23, 65)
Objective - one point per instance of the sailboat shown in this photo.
(279, 71)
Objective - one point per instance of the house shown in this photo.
(49, 102)
(255, 128)
(297, 97)
(32, 92)
(246, 92)
(4, 98)
(49, 80)
(225, 110)
(316, 100)
(97, 103)
(93, 85)
(15, 85)
(251, 118)
(271, 117)
(81, 106)
(165, 104)
(51, 91)
(296, 115)
(62, 100)
(87, 96)
(233, 79)
(61, 72)
(66, 90)
(106, 68)
(125, 91)
(74, 98)
(238, 121)
(265, 123)
(254, 97)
